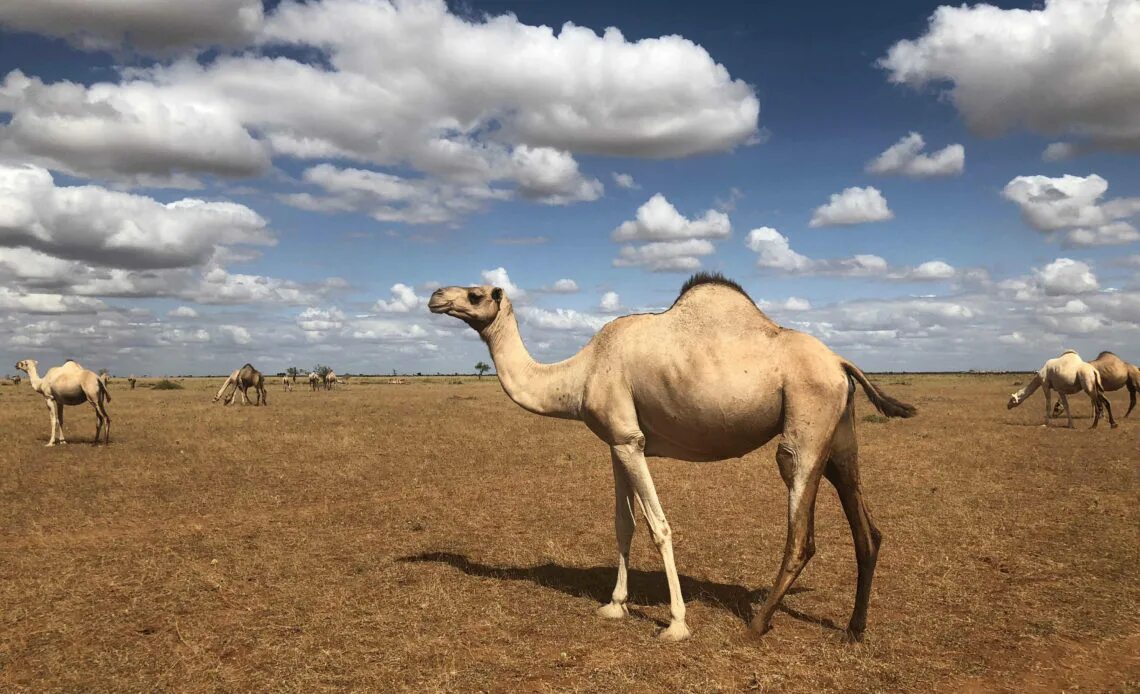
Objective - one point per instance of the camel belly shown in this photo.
(69, 398)
(728, 426)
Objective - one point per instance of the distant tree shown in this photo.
(321, 370)
(393, 372)
(482, 367)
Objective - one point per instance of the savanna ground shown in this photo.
(435, 537)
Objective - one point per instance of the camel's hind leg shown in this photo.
(624, 524)
(843, 472)
(102, 419)
(1068, 410)
(59, 438)
(1132, 388)
(1103, 402)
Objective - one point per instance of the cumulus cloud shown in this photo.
(563, 319)
(157, 26)
(562, 286)
(774, 252)
(906, 158)
(676, 242)
(499, 278)
(182, 312)
(403, 300)
(117, 229)
(852, 206)
(236, 334)
(610, 303)
(1069, 67)
(624, 180)
(551, 176)
(1066, 276)
(31, 302)
(1073, 203)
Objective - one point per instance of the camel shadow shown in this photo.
(645, 587)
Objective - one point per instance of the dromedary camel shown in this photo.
(1067, 374)
(16, 380)
(70, 384)
(286, 383)
(330, 380)
(708, 379)
(1115, 373)
(314, 380)
(240, 380)
(131, 380)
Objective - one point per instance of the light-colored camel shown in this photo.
(240, 380)
(314, 380)
(287, 383)
(330, 380)
(1115, 373)
(131, 380)
(1067, 374)
(70, 384)
(708, 379)
(16, 380)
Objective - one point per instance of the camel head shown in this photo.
(1015, 399)
(475, 306)
(26, 365)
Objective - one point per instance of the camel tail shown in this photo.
(103, 387)
(882, 402)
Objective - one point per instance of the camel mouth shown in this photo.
(439, 307)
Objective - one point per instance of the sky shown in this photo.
(185, 187)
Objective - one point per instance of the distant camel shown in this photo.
(1067, 374)
(287, 384)
(16, 380)
(330, 380)
(131, 380)
(70, 384)
(240, 380)
(314, 380)
(710, 378)
(1115, 373)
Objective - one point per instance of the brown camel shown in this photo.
(131, 380)
(1115, 373)
(242, 379)
(708, 379)
(16, 380)
(70, 384)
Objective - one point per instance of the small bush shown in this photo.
(167, 384)
(874, 418)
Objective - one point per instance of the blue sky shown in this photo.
(337, 159)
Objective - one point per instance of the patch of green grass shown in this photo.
(167, 384)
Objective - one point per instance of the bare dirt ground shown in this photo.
(435, 537)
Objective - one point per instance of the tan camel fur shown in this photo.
(70, 384)
(1067, 374)
(315, 380)
(287, 384)
(131, 380)
(240, 380)
(1115, 373)
(330, 380)
(708, 379)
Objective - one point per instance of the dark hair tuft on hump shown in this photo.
(711, 278)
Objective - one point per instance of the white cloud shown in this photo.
(118, 229)
(610, 303)
(930, 270)
(182, 312)
(1066, 276)
(321, 320)
(1014, 338)
(791, 304)
(149, 25)
(905, 158)
(562, 286)
(551, 177)
(404, 300)
(1114, 233)
(563, 319)
(665, 256)
(1073, 203)
(658, 220)
(237, 334)
(22, 302)
(852, 206)
(1067, 68)
(774, 252)
(499, 278)
(624, 180)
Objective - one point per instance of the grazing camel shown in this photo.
(16, 380)
(70, 384)
(710, 378)
(314, 380)
(1115, 373)
(1067, 374)
(131, 380)
(330, 380)
(287, 384)
(240, 380)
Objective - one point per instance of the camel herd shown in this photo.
(710, 378)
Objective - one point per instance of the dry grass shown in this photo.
(436, 537)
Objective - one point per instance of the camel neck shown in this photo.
(34, 377)
(553, 390)
(1030, 387)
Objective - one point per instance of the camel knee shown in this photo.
(662, 533)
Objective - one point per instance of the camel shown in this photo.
(131, 380)
(240, 380)
(70, 384)
(314, 380)
(16, 380)
(1067, 374)
(287, 384)
(710, 378)
(330, 380)
(1115, 373)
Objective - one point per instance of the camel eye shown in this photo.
(473, 297)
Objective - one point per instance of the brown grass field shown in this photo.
(435, 537)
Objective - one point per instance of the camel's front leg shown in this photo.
(623, 527)
(1065, 403)
(1048, 401)
(631, 455)
(54, 426)
(59, 438)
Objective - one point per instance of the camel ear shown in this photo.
(497, 294)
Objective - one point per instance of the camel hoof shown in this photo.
(613, 610)
(853, 635)
(677, 631)
(50, 444)
(759, 627)
(1113, 425)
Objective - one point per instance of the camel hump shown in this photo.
(248, 366)
(1068, 351)
(702, 278)
(1105, 353)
